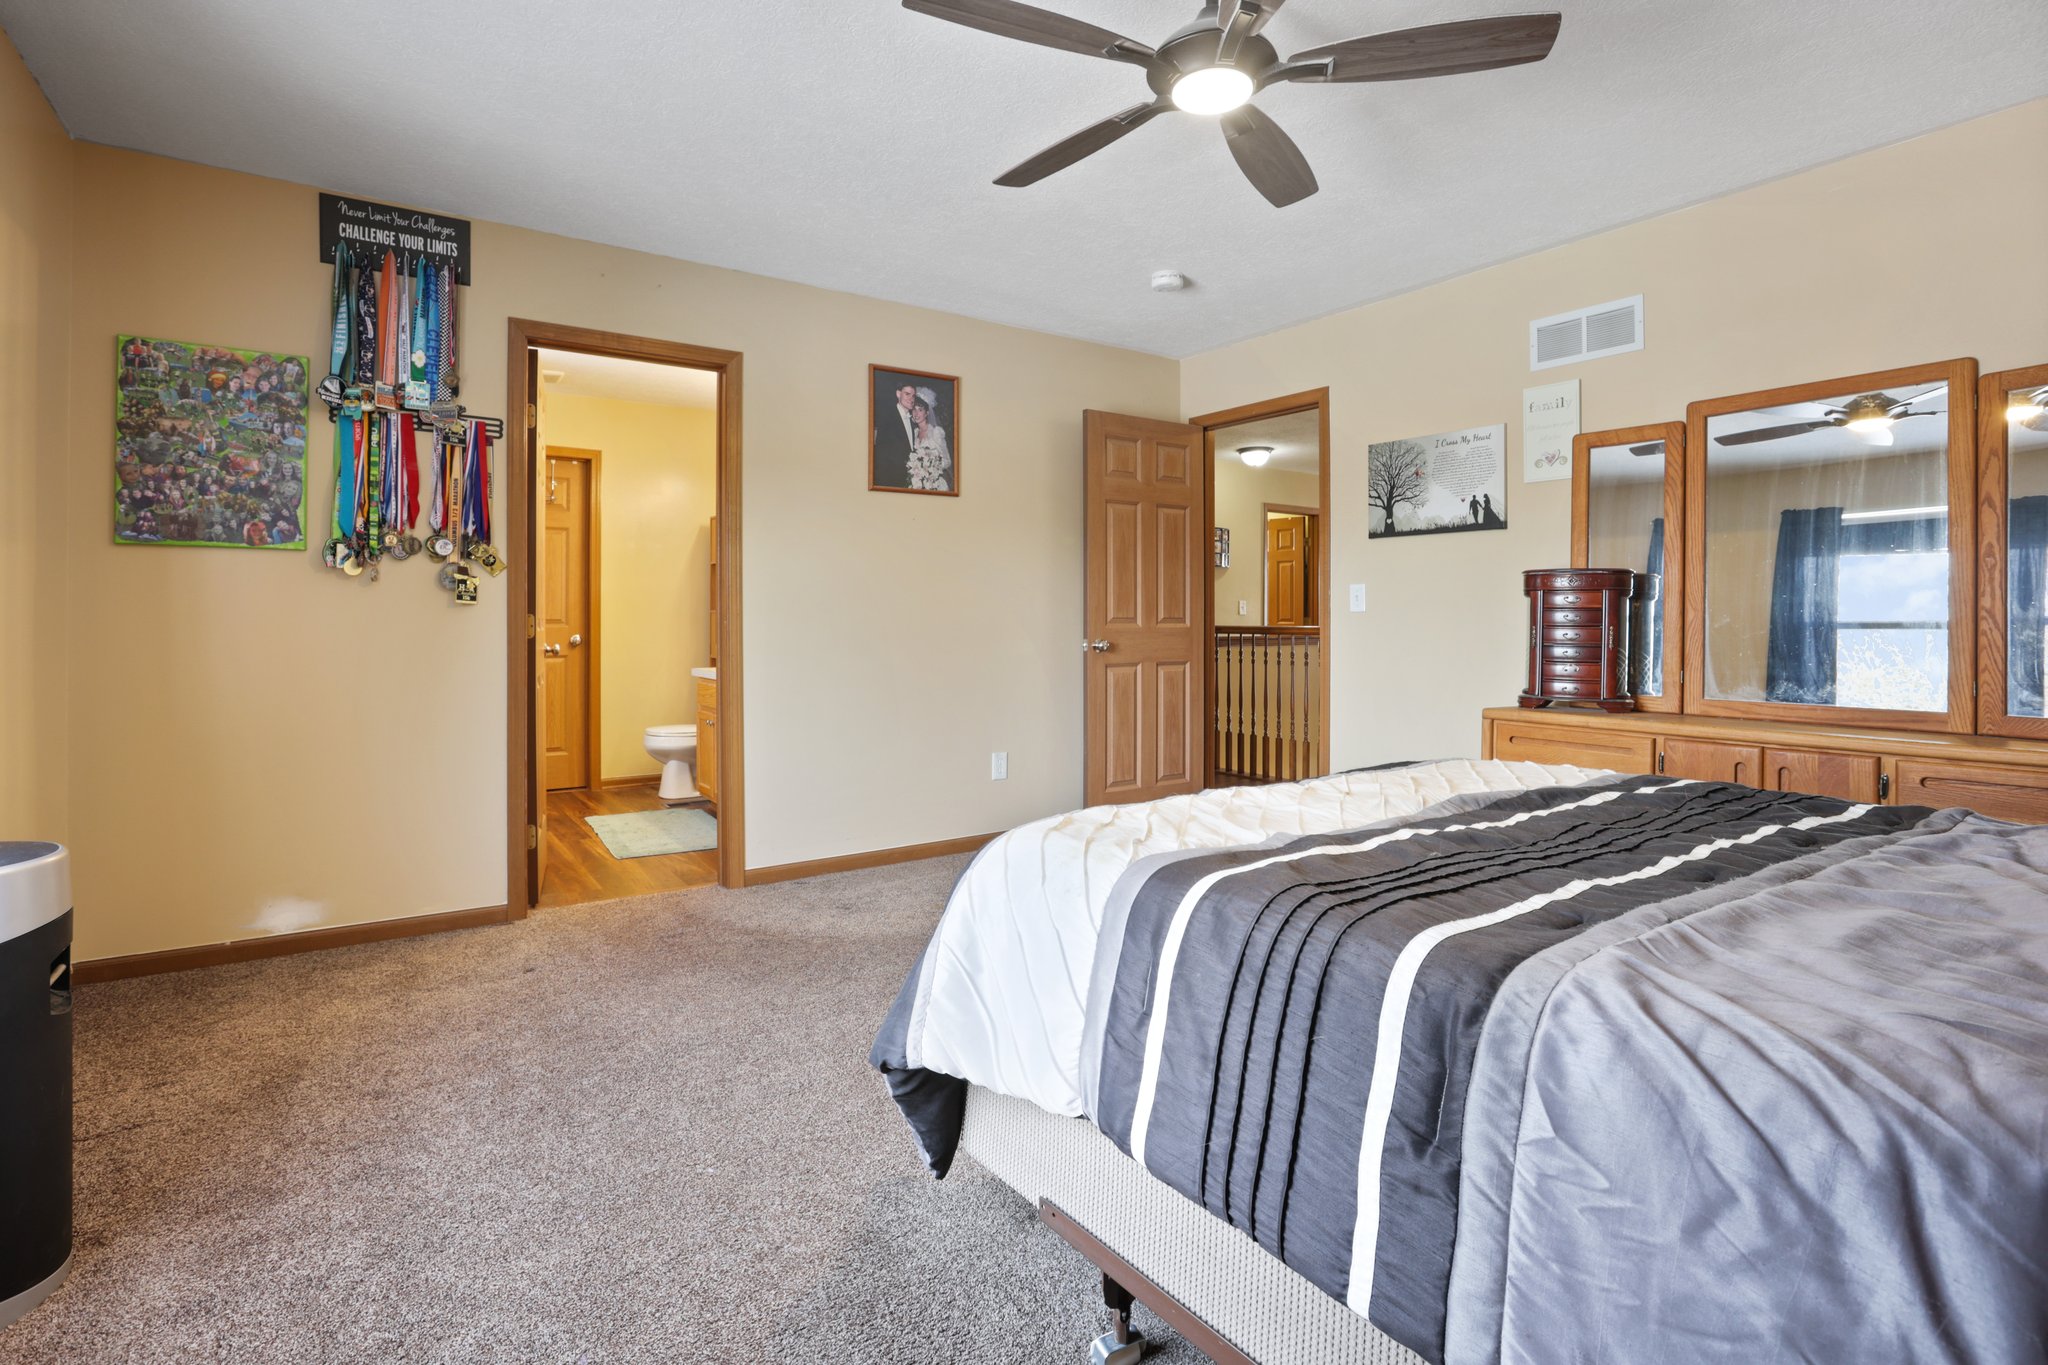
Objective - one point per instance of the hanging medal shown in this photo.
(340, 311)
(364, 375)
(387, 339)
(441, 544)
(416, 393)
(476, 503)
(339, 553)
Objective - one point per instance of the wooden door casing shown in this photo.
(568, 613)
(1147, 542)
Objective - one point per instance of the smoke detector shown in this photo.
(1169, 281)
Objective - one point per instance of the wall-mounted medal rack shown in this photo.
(394, 381)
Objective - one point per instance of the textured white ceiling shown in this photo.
(850, 143)
(637, 381)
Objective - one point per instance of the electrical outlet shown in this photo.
(998, 767)
(1358, 597)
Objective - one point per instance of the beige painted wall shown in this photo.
(35, 246)
(1241, 497)
(1758, 289)
(293, 718)
(656, 497)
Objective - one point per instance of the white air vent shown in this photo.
(1586, 333)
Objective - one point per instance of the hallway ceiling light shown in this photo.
(1255, 456)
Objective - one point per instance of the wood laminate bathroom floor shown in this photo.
(581, 869)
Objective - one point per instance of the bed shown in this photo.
(1475, 1062)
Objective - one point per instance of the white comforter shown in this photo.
(1003, 1001)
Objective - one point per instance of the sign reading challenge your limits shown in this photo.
(371, 229)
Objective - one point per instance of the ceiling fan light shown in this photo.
(1255, 456)
(1876, 430)
(1212, 90)
(2025, 407)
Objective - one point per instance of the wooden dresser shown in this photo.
(2005, 778)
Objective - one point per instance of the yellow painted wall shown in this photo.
(1241, 497)
(657, 493)
(35, 285)
(1773, 285)
(298, 722)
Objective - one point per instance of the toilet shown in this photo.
(674, 747)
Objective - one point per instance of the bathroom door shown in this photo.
(1147, 580)
(568, 524)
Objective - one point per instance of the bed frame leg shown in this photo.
(1122, 1344)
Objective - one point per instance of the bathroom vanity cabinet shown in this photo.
(707, 739)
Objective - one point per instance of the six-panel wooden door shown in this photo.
(1147, 690)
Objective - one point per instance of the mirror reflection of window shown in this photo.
(1828, 553)
(2026, 551)
(1625, 530)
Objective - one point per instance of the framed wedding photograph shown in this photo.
(913, 431)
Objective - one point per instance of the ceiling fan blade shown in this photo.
(1435, 50)
(1030, 24)
(1647, 448)
(1267, 156)
(1087, 142)
(1909, 402)
(1239, 20)
(1744, 438)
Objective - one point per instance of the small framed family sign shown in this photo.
(913, 431)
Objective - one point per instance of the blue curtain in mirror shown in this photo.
(2026, 571)
(1801, 663)
(1649, 635)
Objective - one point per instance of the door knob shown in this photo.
(551, 650)
(575, 640)
(1098, 646)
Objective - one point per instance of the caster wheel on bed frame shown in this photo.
(1107, 1350)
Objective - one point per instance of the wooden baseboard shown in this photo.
(281, 945)
(853, 862)
(640, 780)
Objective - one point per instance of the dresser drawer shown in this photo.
(2003, 793)
(1572, 653)
(1571, 599)
(1569, 616)
(1574, 668)
(1533, 742)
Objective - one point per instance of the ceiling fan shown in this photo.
(1216, 63)
(1869, 415)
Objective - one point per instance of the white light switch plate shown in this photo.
(1244, 608)
(998, 767)
(1358, 597)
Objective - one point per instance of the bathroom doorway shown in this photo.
(1269, 598)
(624, 770)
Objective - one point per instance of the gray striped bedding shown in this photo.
(1634, 1070)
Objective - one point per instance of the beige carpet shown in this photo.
(638, 1131)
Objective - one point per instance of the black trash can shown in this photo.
(35, 1074)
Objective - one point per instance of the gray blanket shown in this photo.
(1638, 1071)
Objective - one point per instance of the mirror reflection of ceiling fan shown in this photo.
(2029, 409)
(1870, 416)
(1215, 64)
(1647, 448)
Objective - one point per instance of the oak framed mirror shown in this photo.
(1829, 570)
(2012, 587)
(1628, 498)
